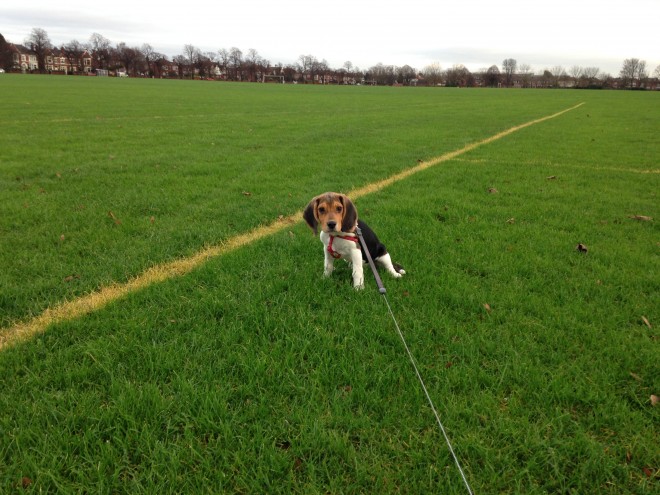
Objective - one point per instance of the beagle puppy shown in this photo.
(337, 216)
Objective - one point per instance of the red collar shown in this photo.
(334, 253)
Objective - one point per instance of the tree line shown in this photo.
(235, 65)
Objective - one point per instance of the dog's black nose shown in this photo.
(332, 225)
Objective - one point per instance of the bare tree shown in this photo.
(590, 76)
(39, 43)
(557, 73)
(73, 52)
(458, 76)
(130, 58)
(406, 75)
(251, 64)
(235, 63)
(384, 75)
(6, 59)
(575, 72)
(100, 48)
(191, 54)
(492, 77)
(633, 72)
(152, 58)
(307, 65)
(181, 63)
(525, 72)
(509, 70)
(432, 74)
(223, 61)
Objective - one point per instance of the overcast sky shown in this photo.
(475, 33)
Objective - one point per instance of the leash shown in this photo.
(383, 291)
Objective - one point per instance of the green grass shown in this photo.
(253, 373)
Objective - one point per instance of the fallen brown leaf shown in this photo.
(552, 177)
(26, 482)
(646, 322)
(492, 190)
(487, 307)
(511, 221)
(655, 400)
(582, 248)
(114, 218)
(636, 376)
(648, 471)
(246, 193)
(641, 218)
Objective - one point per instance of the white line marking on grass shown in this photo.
(94, 301)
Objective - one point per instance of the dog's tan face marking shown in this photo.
(333, 211)
(330, 213)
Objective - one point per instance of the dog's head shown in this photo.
(333, 211)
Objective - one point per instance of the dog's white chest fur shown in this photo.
(343, 247)
(347, 249)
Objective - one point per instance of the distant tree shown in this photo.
(289, 72)
(152, 59)
(100, 48)
(458, 76)
(322, 69)
(589, 77)
(575, 72)
(39, 43)
(557, 73)
(223, 61)
(235, 63)
(307, 64)
(252, 64)
(656, 74)
(633, 73)
(432, 74)
(191, 54)
(492, 77)
(6, 61)
(405, 75)
(130, 58)
(383, 75)
(509, 70)
(73, 52)
(525, 72)
(181, 63)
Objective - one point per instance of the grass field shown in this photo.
(254, 374)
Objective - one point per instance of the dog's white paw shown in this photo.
(359, 287)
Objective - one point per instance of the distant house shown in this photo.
(24, 59)
(59, 60)
(56, 60)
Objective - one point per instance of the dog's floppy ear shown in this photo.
(349, 220)
(309, 215)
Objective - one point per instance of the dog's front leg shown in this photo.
(358, 272)
(328, 264)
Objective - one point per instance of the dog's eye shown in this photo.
(339, 208)
(321, 210)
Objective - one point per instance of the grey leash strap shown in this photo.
(379, 282)
(383, 291)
